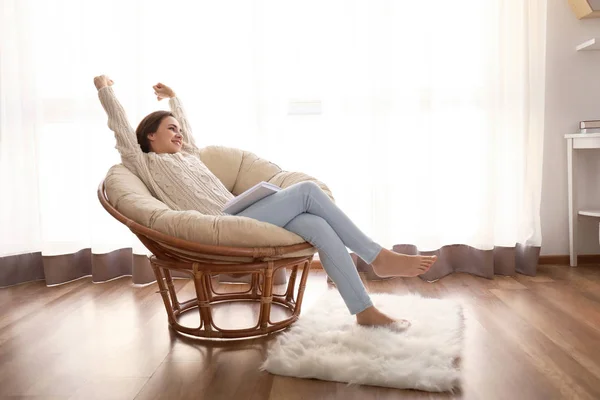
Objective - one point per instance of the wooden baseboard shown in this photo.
(565, 259)
(544, 260)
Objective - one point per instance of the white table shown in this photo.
(578, 141)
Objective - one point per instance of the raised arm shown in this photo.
(163, 92)
(117, 119)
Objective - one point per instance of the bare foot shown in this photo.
(389, 263)
(373, 317)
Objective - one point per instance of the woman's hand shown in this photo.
(163, 91)
(102, 81)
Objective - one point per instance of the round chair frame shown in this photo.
(187, 257)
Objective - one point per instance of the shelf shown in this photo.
(592, 44)
(582, 135)
(590, 213)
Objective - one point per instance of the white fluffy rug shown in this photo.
(327, 344)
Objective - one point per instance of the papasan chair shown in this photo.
(202, 246)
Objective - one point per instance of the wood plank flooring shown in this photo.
(526, 338)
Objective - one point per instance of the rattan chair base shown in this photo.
(260, 291)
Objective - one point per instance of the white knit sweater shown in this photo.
(179, 180)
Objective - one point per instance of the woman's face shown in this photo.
(167, 138)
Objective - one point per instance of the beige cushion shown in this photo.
(238, 170)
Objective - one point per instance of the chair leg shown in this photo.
(267, 297)
(289, 295)
(174, 300)
(255, 282)
(208, 287)
(303, 279)
(163, 292)
(203, 302)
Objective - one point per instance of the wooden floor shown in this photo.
(526, 338)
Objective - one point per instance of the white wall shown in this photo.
(572, 94)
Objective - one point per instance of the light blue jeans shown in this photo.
(307, 211)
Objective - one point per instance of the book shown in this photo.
(589, 124)
(249, 197)
(589, 130)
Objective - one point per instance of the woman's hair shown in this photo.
(149, 125)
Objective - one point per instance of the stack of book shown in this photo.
(592, 126)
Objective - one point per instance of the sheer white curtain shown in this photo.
(430, 131)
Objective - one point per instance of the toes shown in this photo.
(428, 260)
(403, 323)
(399, 326)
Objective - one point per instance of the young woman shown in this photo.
(162, 153)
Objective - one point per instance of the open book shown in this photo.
(249, 197)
